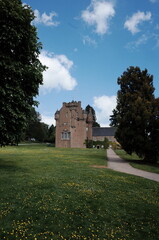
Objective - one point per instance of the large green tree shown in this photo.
(37, 130)
(51, 134)
(137, 114)
(20, 68)
(34, 128)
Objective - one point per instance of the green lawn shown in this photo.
(49, 193)
(137, 162)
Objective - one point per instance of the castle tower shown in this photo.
(89, 125)
(73, 126)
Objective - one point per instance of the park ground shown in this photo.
(50, 193)
(137, 162)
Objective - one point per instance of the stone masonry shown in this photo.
(73, 126)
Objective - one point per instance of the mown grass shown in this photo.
(137, 162)
(49, 193)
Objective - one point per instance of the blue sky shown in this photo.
(88, 44)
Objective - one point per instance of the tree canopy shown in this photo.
(137, 114)
(20, 68)
(37, 130)
(89, 108)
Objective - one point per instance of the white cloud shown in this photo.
(156, 38)
(104, 105)
(47, 119)
(45, 19)
(75, 49)
(132, 23)
(25, 5)
(153, 1)
(143, 39)
(98, 14)
(157, 27)
(58, 75)
(89, 41)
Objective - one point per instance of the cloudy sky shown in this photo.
(88, 44)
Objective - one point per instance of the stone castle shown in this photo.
(73, 126)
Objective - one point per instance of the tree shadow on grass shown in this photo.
(142, 162)
(96, 156)
(10, 166)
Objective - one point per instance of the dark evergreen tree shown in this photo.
(42, 135)
(136, 114)
(20, 68)
(88, 109)
(152, 150)
(33, 128)
(51, 134)
(36, 129)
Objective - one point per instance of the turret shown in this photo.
(57, 115)
(90, 116)
(89, 124)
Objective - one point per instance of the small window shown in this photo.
(65, 135)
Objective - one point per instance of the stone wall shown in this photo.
(73, 126)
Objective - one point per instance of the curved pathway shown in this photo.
(118, 164)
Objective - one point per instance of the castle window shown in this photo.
(65, 135)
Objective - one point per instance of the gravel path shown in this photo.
(118, 164)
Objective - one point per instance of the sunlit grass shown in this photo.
(49, 193)
(137, 162)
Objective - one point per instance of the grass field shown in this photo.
(49, 193)
(137, 162)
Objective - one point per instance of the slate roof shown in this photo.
(103, 131)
